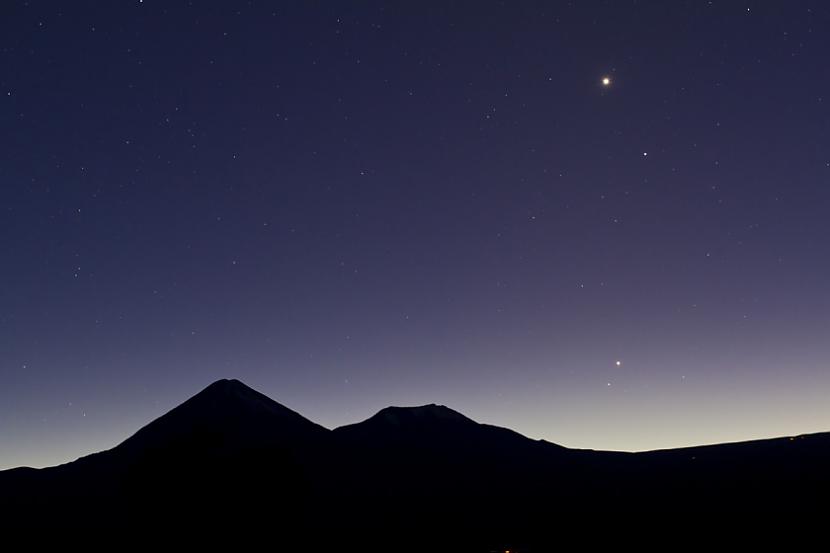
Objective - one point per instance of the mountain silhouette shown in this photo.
(233, 461)
(223, 419)
(203, 462)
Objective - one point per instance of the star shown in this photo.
(618, 363)
(606, 81)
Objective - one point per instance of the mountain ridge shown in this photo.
(393, 415)
(231, 458)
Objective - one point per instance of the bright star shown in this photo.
(606, 81)
(618, 363)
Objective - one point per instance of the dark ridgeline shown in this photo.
(231, 461)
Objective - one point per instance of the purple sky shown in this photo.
(352, 206)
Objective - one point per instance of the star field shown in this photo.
(599, 223)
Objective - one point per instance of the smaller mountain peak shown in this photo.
(398, 422)
(420, 414)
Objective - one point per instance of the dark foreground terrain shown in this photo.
(232, 462)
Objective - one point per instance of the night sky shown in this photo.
(352, 205)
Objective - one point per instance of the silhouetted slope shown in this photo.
(212, 458)
(762, 476)
(232, 461)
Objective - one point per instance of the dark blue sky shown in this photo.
(351, 205)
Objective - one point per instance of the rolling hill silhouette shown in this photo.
(232, 460)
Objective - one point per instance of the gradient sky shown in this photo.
(352, 205)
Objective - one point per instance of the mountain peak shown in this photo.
(229, 395)
(227, 382)
(228, 386)
(420, 419)
(229, 411)
(420, 413)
